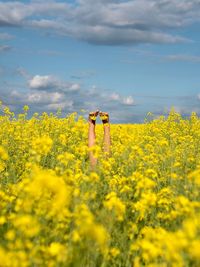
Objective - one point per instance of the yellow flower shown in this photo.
(50, 190)
(26, 108)
(55, 248)
(3, 153)
(194, 248)
(90, 229)
(94, 177)
(42, 145)
(59, 251)
(112, 202)
(27, 225)
(95, 150)
(114, 252)
(2, 220)
(10, 235)
(75, 236)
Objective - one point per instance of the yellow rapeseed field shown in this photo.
(141, 207)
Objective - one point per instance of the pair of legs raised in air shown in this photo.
(91, 134)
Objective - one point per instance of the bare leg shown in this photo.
(106, 125)
(91, 137)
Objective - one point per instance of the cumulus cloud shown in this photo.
(45, 100)
(122, 108)
(74, 87)
(47, 93)
(115, 96)
(121, 99)
(42, 82)
(49, 82)
(105, 22)
(16, 13)
(44, 97)
(128, 100)
(62, 105)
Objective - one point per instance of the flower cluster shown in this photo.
(140, 207)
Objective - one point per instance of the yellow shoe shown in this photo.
(104, 116)
(93, 116)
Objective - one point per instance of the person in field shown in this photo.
(91, 134)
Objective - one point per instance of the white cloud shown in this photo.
(121, 108)
(44, 97)
(106, 22)
(128, 100)
(41, 100)
(42, 82)
(115, 96)
(47, 93)
(49, 82)
(75, 87)
(16, 13)
(63, 105)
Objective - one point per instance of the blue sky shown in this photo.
(124, 57)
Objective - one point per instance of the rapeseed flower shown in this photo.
(140, 207)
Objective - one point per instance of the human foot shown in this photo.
(104, 117)
(92, 116)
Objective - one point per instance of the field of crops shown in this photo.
(141, 207)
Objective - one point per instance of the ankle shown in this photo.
(92, 123)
